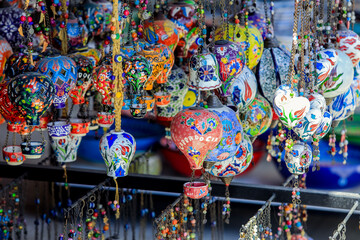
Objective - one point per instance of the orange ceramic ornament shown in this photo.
(169, 57)
(157, 60)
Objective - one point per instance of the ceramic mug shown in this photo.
(196, 190)
(32, 150)
(13, 155)
(79, 127)
(162, 99)
(105, 119)
(58, 129)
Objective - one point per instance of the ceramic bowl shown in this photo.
(196, 190)
(58, 129)
(33, 150)
(105, 119)
(79, 127)
(13, 155)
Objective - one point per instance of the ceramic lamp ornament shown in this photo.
(10, 21)
(65, 148)
(17, 63)
(9, 111)
(157, 61)
(58, 129)
(231, 61)
(299, 158)
(232, 131)
(257, 118)
(161, 30)
(257, 20)
(243, 89)
(254, 44)
(63, 73)
(343, 106)
(235, 165)
(324, 126)
(289, 107)
(183, 14)
(13, 155)
(334, 71)
(356, 82)
(272, 69)
(117, 149)
(349, 43)
(204, 72)
(176, 86)
(32, 93)
(84, 79)
(196, 131)
(33, 149)
(77, 33)
(5, 53)
(103, 81)
(137, 71)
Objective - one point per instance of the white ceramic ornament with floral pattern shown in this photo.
(343, 105)
(324, 126)
(204, 72)
(311, 121)
(65, 148)
(334, 72)
(349, 43)
(243, 89)
(290, 107)
(299, 158)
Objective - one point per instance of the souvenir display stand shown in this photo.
(112, 109)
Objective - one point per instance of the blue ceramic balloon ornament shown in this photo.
(232, 131)
(117, 147)
(63, 73)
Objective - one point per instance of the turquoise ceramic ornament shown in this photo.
(117, 149)
(63, 73)
(243, 89)
(235, 165)
(334, 72)
(273, 68)
(289, 106)
(299, 158)
(232, 131)
(343, 106)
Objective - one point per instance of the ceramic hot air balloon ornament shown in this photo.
(334, 72)
(204, 72)
(243, 89)
(32, 93)
(17, 64)
(196, 131)
(103, 81)
(289, 106)
(349, 43)
(232, 131)
(231, 60)
(62, 72)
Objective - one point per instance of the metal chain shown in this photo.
(294, 44)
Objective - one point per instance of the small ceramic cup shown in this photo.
(105, 119)
(150, 102)
(58, 129)
(196, 190)
(13, 155)
(162, 99)
(79, 127)
(32, 150)
(138, 110)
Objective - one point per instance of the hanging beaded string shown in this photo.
(64, 15)
(344, 143)
(353, 16)
(27, 21)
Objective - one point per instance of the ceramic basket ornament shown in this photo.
(204, 72)
(272, 70)
(32, 93)
(13, 155)
(62, 72)
(117, 149)
(289, 107)
(232, 131)
(65, 148)
(231, 60)
(196, 131)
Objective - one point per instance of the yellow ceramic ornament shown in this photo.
(237, 34)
